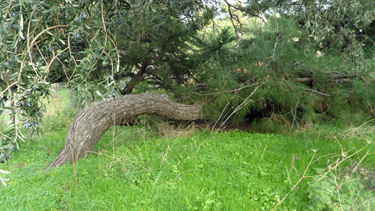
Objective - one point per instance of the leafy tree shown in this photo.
(300, 80)
(101, 46)
(305, 59)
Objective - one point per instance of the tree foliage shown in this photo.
(100, 48)
(301, 80)
(308, 61)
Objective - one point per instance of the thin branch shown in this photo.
(52, 60)
(312, 90)
(247, 11)
(233, 90)
(33, 43)
(9, 87)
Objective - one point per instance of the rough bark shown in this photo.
(93, 121)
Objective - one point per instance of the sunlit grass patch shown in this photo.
(228, 171)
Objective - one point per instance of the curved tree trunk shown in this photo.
(93, 121)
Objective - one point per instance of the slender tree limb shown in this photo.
(138, 77)
(247, 11)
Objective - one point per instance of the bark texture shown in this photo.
(93, 121)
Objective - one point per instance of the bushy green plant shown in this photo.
(295, 83)
(337, 192)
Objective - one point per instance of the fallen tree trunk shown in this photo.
(333, 79)
(93, 121)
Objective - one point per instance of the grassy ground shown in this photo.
(158, 167)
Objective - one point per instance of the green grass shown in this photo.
(134, 168)
(227, 171)
(59, 103)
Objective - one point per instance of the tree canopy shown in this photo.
(300, 61)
